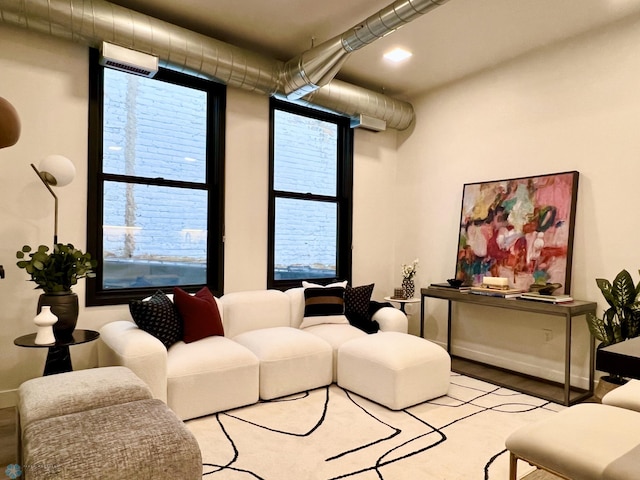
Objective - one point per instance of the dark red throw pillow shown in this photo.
(200, 315)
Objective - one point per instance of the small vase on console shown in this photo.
(45, 321)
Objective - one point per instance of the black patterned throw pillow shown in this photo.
(357, 303)
(356, 300)
(159, 317)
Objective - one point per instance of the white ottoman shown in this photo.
(394, 369)
(291, 360)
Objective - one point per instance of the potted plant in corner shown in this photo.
(56, 273)
(620, 321)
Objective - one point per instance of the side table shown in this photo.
(402, 302)
(58, 358)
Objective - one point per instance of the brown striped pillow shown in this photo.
(323, 305)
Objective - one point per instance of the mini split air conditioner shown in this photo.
(368, 123)
(127, 60)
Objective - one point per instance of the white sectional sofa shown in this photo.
(263, 354)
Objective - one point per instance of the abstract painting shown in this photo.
(520, 228)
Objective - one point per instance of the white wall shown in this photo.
(571, 107)
(47, 81)
(574, 106)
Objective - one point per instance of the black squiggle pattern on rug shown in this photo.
(387, 442)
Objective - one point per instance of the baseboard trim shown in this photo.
(8, 398)
(555, 374)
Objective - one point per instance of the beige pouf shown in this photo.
(394, 369)
(587, 441)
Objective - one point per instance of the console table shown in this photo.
(570, 395)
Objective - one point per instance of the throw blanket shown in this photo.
(365, 323)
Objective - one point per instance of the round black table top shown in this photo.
(77, 337)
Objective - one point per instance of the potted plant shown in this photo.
(620, 321)
(56, 273)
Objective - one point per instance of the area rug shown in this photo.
(331, 434)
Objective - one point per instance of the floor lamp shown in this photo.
(56, 171)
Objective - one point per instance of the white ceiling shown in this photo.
(454, 40)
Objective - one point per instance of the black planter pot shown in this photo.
(64, 305)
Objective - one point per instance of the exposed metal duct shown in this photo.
(317, 66)
(92, 22)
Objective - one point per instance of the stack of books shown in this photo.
(496, 291)
(539, 297)
(447, 286)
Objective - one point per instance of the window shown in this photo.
(156, 160)
(310, 203)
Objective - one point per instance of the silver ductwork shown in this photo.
(92, 22)
(317, 66)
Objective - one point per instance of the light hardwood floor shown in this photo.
(8, 437)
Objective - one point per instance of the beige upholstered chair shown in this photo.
(587, 441)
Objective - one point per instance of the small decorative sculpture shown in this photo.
(45, 321)
(544, 288)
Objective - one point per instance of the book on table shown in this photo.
(496, 292)
(539, 297)
(446, 286)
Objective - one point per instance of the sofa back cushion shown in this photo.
(254, 309)
(296, 300)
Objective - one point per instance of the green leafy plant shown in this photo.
(59, 270)
(621, 320)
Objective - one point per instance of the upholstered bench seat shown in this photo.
(102, 424)
(394, 369)
(587, 441)
(72, 392)
(291, 360)
(141, 439)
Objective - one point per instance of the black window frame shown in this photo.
(214, 184)
(343, 198)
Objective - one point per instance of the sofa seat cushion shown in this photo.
(291, 360)
(77, 391)
(394, 369)
(210, 375)
(140, 439)
(336, 335)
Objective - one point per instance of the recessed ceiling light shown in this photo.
(397, 55)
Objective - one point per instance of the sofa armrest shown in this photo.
(123, 343)
(391, 319)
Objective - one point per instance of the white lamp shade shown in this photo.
(57, 170)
